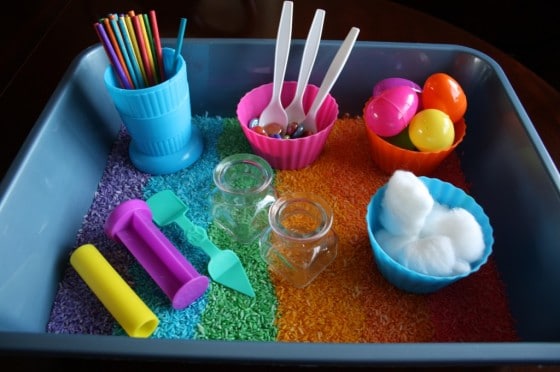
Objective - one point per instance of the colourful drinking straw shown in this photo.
(123, 80)
(138, 58)
(157, 42)
(142, 49)
(139, 82)
(124, 52)
(133, 45)
(151, 43)
(147, 46)
(115, 45)
(180, 36)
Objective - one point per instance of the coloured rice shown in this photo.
(349, 302)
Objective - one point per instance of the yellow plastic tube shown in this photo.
(116, 295)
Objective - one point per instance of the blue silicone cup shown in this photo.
(158, 119)
(411, 281)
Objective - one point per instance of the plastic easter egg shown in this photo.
(402, 140)
(443, 92)
(393, 82)
(390, 112)
(431, 130)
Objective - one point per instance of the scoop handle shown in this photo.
(197, 236)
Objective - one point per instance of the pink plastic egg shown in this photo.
(390, 112)
(393, 82)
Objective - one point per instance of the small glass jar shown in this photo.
(300, 242)
(243, 195)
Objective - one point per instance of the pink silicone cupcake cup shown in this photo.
(286, 154)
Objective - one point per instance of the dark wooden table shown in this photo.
(40, 40)
(45, 37)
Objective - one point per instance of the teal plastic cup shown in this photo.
(158, 119)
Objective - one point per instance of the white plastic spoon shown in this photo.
(337, 64)
(274, 112)
(295, 110)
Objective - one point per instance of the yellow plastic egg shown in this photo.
(431, 130)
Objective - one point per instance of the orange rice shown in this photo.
(350, 301)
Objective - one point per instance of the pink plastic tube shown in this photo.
(131, 224)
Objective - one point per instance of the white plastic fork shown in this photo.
(274, 112)
(337, 64)
(295, 110)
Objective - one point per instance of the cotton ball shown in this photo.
(434, 218)
(461, 227)
(405, 205)
(393, 244)
(461, 267)
(430, 255)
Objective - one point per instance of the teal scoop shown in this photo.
(224, 266)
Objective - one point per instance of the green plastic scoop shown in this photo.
(224, 266)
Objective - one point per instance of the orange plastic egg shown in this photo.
(444, 93)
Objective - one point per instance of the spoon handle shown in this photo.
(283, 40)
(332, 74)
(307, 62)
